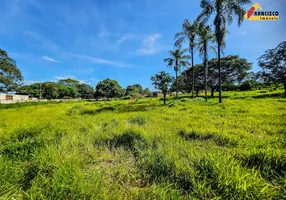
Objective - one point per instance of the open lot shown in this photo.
(145, 150)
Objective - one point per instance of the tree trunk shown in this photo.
(219, 74)
(206, 69)
(197, 93)
(212, 92)
(193, 73)
(177, 83)
(164, 98)
(284, 87)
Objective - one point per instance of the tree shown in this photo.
(134, 90)
(273, 64)
(223, 10)
(33, 90)
(50, 90)
(188, 33)
(109, 89)
(147, 92)
(245, 86)
(178, 60)
(10, 75)
(255, 79)
(162, 82)
(85, 91)
(205, 37)
(233, 70)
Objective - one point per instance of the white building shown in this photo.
(13, 98)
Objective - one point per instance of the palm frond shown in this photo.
(213, 49)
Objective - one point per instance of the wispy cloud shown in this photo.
(101, 61)
(103, 32)
(65, 77)
(125, 37)
(150, 45)
(88, 82)
(30, 82)
(241, 33)
(42, 41)
(50, 59)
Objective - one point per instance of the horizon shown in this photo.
(91, 41)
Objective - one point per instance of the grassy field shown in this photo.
(188, 149)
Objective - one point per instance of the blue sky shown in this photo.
(125, 40)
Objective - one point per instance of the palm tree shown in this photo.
(188, 33)
(178, 59)
(205, 37)
(223, 10)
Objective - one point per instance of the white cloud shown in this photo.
(30, 82)
(72, 77)
(101, 61)
(125, 37)
(151, 39)
(150, 45)
(65, 77)
(47, 58)
(84, 82)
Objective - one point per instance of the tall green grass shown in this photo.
(188, 149)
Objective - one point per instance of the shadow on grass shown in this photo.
(121, 109)
(26, 104)
(271, 166)
(217, 138)
(130, 141)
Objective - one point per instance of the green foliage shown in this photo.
(245, 86)
(64, 89)
(69, 82)
(138, 120)
(233, 69)
(108, 89)
(50, 90)
(273, 65)
(134, 90)
(178, 60)
(224, 11)
(162, 82)
(147, 92)
(85, 91)
(10, 74)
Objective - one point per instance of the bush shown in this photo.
(245, 86)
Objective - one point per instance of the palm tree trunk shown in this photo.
(193, 73)
(206, 70)
(219, 73)
(164, 98)
(177, 84)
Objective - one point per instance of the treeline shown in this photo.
(235, 73)
(70, 88)
(63, 89)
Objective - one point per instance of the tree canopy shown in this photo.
(273, 64)
(69, 82)
(162, 81)
(134, 90)
(109, 89)
(234, 70)
(10, 75)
